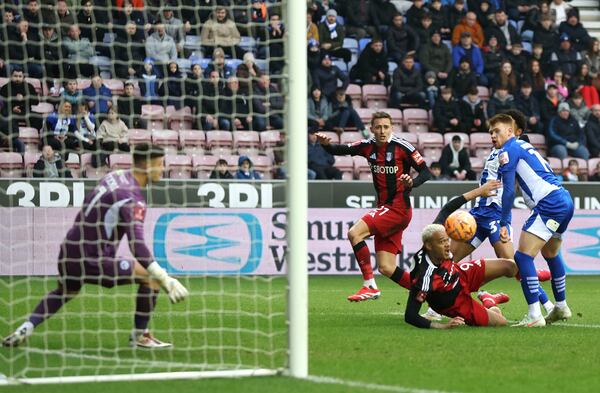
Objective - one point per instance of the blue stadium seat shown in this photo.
(351, 44)
(527, 46)
(527, 36)
(248, 44)
(233, 63)
(362, 44)
(392, 65)
(341, 65)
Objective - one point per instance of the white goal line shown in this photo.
(370, 386)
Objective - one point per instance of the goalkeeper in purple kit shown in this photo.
(115, 208)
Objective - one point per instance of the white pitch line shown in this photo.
(371, 386)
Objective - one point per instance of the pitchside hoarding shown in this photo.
(198, 241)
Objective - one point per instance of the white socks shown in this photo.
(370, 283)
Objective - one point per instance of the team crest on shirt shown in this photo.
(503, 158)
(417, 157)
(139, 211)
(388, 156)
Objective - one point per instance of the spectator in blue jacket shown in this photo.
(246, 170)
(565, 137)
(98, 97)
(320, 161)
(466, 48)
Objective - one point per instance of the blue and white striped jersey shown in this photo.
(490, 172)
(518, 159)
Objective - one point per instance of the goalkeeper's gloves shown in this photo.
(175, 290)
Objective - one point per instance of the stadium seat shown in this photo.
(232, 161)
(397, 118)
(583, 165)
(11, 164)
(83, 84)
(592, 164)
(233, 63)
(477, 164)
(355, 93)
(3, 81)
(168, 139)
(139, 135)
(248, 44)
(341, 64)
(346, 165)
(72, 162)
(335, 139)
(481, 144)
(375, 96)
(192, 142)
(85, 162)
(154, 116)
(555, 164)
(416, 120)
(362, 44)
(181, 119)
(116, 86)
(203, 165)
(120, 161)
(351, 44)
(350, 137)
(465, 138)
(185, 65)
(43, 108)
(431, 145)
(30, 137)
(483, 93)
(269, 139)
(37, 84)
(362, 170)
(365, 114)
(539, 142)
(263, 165)
(392, 65)
(29, 160)
(413, 139)
(219, 142)
(246, 143)
(178, 166)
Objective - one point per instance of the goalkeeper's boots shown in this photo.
(146, 340)
(16, 339)
(531, 322)
(558, 314)
(431, 315)
(365, 293)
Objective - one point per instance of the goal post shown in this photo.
(242, 319)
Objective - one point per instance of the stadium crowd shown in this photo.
(84, 80)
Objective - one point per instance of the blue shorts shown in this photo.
(488, 227)
(550, 218)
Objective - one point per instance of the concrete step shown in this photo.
(583, 4)
(589, 16)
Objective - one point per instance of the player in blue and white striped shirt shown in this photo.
(552, 210)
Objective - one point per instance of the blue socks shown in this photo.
(557, 268)
(529, 280)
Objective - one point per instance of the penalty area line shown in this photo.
(370, 386)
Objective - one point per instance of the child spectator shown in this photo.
(50, 165)
(221, 171)
(112, 135)
(571, 173)
(245, 170)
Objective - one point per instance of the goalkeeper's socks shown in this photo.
(144, 304)
(48, 306)
(559, 282)
(401, 278)
(363, 256)
(27, 328)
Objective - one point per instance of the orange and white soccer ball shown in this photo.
(460, 225)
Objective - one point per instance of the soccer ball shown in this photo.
(460, 225)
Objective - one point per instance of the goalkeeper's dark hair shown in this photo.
(518, 117)
(146, 152)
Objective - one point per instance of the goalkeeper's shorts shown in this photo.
(107, 272)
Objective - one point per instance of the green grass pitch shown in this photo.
(356, 344)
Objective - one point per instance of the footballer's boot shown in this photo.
(558, 314)
(530, 322)
(365, 293)
(146, 340)
(431, 315)
(16, 339)
(491, 300)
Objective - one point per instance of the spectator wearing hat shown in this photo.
(248, 71)
(446, 113)
(358, 19)
(148, 82)
(501, 101)
(455, 161)
(467, 49)
(327, 75)
(401, 39)
(468, 24)
(592, 133)
(461, 80)
(506, 34)
(407, 87)
(546, 36)
(332, 36)
(579, 36)
(313, 55)
(472, 112)
(549, 105)
(432, 88)
(529, 105)
(372, 65)
(565, 137)
(381, 13)
(435, 56)
(566, 58)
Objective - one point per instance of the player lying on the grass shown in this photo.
(115, 208)
(390, 159)
(552, 210)
(487, 212)
(447, 285)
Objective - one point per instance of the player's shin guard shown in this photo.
(401, 278)
(559, 284)
(48, 306)
(529, 280)
(363, 256)
(144, 304)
